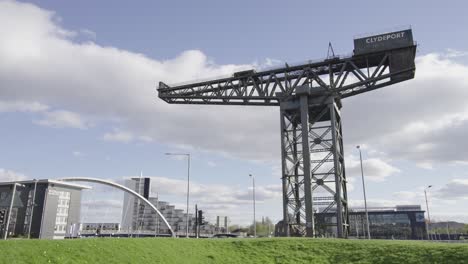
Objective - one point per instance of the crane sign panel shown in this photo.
(387, 41)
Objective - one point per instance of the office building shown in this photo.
(399, 222)
(140, 219)
(45, 208)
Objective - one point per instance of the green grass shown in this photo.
(274, 250)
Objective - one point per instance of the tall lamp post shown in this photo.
(428, 215)
(364, 192)
(253, 196)
(188, 187)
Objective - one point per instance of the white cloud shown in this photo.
(88, 33)
(425, 165)
(408, 195)
(379, 203)
(375, 169)
(455, 189)
(422, 120)
(213, 193)
(57, 118)
(62, 119)
(451, 53)
(350, 184)
(8, 176)
(119, 136)
(22, 106)
(101, 210)
(114, 84)
(78, 153)
(145, 138)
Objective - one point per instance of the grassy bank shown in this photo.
(284, 250)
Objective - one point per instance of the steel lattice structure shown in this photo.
(309, 96)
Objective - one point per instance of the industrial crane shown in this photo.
(309, 96)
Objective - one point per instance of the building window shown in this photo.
(29, 209)
(63, 206)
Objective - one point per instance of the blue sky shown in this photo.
(242, 31)
(77, 98)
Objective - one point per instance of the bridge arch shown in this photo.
(125, 189)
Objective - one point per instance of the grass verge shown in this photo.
(274, 250)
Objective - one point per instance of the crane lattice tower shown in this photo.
(309, 97)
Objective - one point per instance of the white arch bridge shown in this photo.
(125, 189)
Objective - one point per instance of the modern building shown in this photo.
(131, 205)
(140, 219)
(399, 222)
(45, 208)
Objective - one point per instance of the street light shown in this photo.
(7, 226)
(253, 196)
(188, 187)
(364, 191)
(428, 225)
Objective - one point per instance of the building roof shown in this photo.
(397, 208)
(49, 181)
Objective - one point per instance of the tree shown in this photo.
(265, 228)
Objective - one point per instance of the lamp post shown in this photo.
(428, 215)
(7, 226)
(253, 196)
(364, 192)
(188, 187)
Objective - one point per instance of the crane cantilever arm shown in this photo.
(343, 77)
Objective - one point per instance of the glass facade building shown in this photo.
(399, 222)
(140, 219)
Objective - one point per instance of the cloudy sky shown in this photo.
(78, 98)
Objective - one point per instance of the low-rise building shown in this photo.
(45, 208)
(399, 222)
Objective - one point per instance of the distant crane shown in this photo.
(309, 96)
